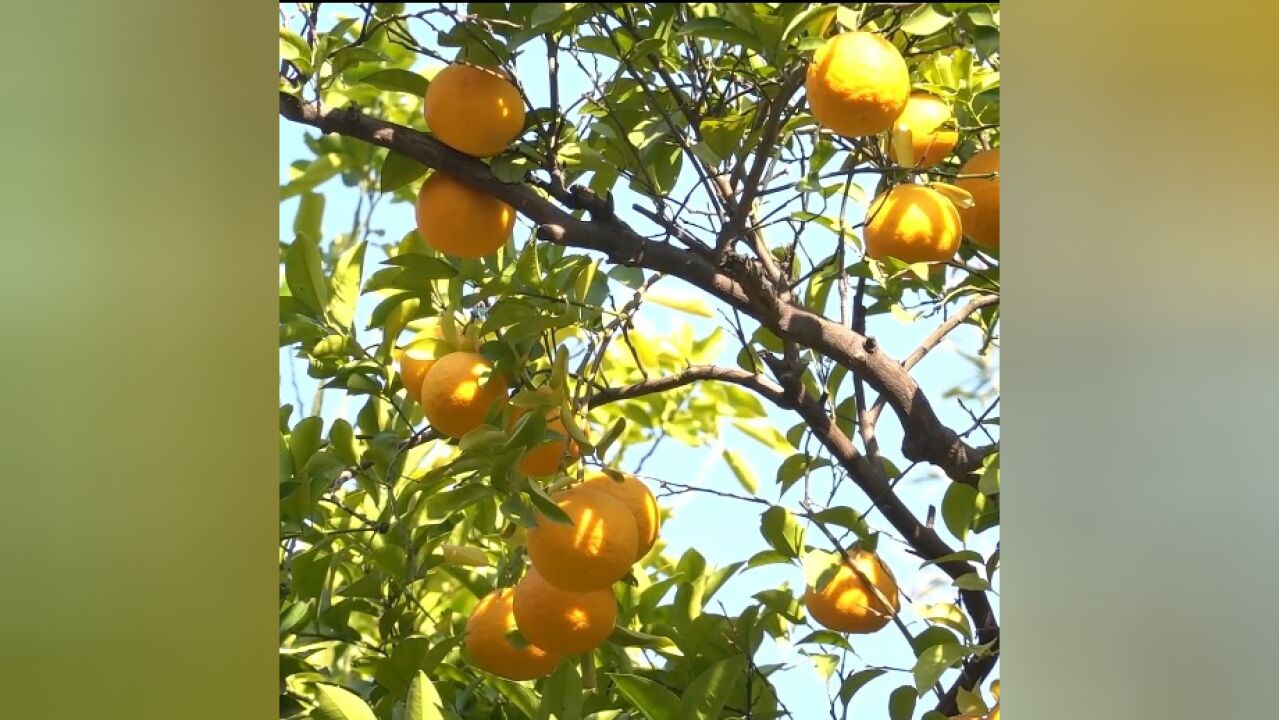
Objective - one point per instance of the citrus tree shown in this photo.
(627, 226)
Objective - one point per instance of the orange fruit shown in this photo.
(563, 622)
(857, 84)
(459, 391)
(461, 221)
(544, 458)
(924, 115)
(592, 553)
(981, 221)
(417, 357)
(473, 110)
(637, 498)
(912, 223)
(847, 604)
(489, 645)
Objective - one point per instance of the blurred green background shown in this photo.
(1138, 365)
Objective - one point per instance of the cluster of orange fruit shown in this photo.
(458, 390)
(858, 84)
(564, 604)
(477, 111)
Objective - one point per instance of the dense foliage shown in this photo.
(668, 164)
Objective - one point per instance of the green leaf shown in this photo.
(545, 505)
(782, 531)
(988, 484)
(523, 698)
(825, 664)
(705, 697)
(688, 304)
(970, 703)
(419, 268)
(631, 277)
(562, 695)
(959, 507)
(345, 285)
(797, 466)
(396, 673)
(933, 662)
(398, 171)
(398, 80)
(767, 557)
(424, 701)
(295, 47)
(663, 160)
(316, 172)
(633, 638)
(765, 433)
(304, 273)
(511, 168)
(961, 556)
(986, 41)
(655, 701)
(292, 617)
(811, 19)
(446, 503)
(844, 517)
(544, 13)
(901, 704)
(948, 615)
(928, 637)
(304, 439)
(310, 213)
(336, 703)
(742, 471)
(856, 682)
(971, 581)
(439, 651)
(925, 20)
(720, 29)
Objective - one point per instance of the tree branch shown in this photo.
(926, 437)
(933, 340)
(692, 374)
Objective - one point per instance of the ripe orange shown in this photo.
(544, 459)
(562, 622)
(924, 115)
(491, 650)
(417, 358)
(458, 220)
(457, 395)
(473, 110)
(912, 223)
(637, 498)
(846, 604)
(981, 221)
(592, 553)
(857, 84)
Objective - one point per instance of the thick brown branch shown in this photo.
(933, 340)
(926, 438)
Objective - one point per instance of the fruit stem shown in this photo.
(588, 671)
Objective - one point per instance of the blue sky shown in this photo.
(723, 530)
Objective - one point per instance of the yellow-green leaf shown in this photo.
(742, 471)
(337, 703)
(683, 303)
